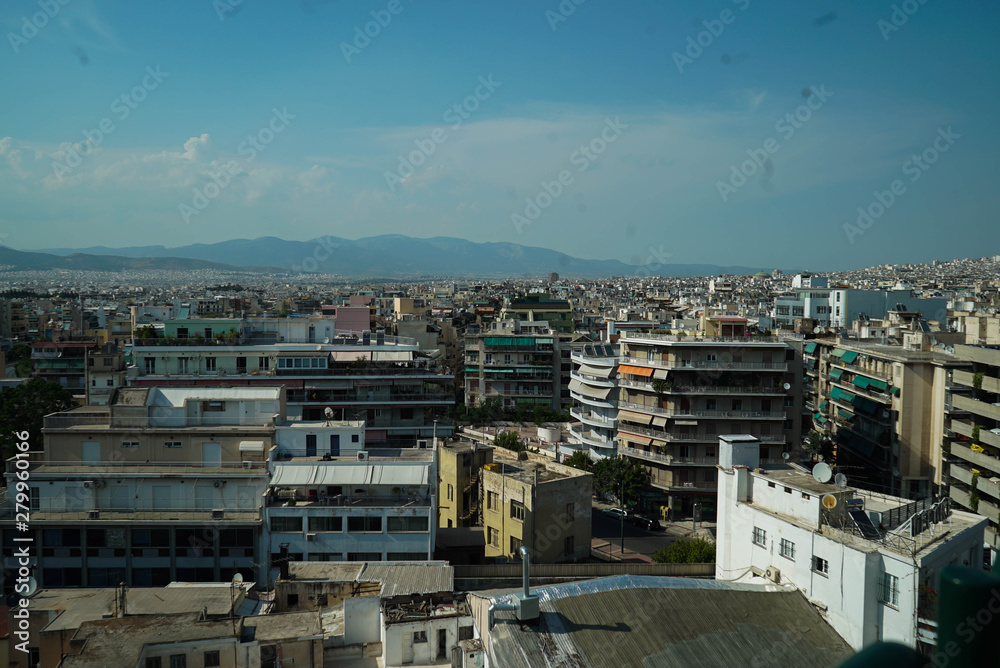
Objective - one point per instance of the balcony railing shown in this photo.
(87, 470)
(390, 501)
(106, 514)
(591, 417)
(700, 338)
(707, 365)
(112, 422)
(668, 459)
(675, 436)
(734, 414)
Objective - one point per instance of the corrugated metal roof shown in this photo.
(405, 578)
(651, 621)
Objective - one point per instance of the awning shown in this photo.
(848, 357)
(818, 417)
(810, 347)
(862, 381)
(251, 446)
(841, 395)
(289, 476)
(686, 423)
(399, 475)
(638, 439)
(865, 405)
(847, 415)
(660, 374)
(638, 418)
(894, 391)
(822, 406)
(343, 474)
(659, 421)
(600, 372)
(878, 384)
(837, 352)
(588, 391)
(836, 373)
(635, 370)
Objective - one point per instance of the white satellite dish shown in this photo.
(326, 340)
(787, 386)
(328, 412)
(840, 480)
(822, 472)
(786, 456)
(32, 586)
(237, 578)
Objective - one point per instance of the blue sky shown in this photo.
(664, 137)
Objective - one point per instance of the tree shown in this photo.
(509, 440)
(22, 408)
(20, 355)
(145, 332)
(686, 551)
(610, 474)
(579, 460)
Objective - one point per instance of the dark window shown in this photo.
(395, 524)
(292, 600)
(354, 438)
(283, 524)
(154, 662)
(211, 659)
(405, 413)
(178, 661)
(364, 524)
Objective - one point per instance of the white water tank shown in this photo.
(549, 434)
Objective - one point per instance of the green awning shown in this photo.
(878, 384)
(862, 381)
(865, 405)
(837, 352)
(810, 363)
(847, 415)
(841, 395)
(848, 357)
(822, 406)
(818, 417)
(472, 369)
(894, 391)
(836, 373)
(810, 347)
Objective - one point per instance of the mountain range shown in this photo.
(386, 256)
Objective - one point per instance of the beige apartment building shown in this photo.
(538, 504)
(460, 488)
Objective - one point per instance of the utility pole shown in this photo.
(623, 517)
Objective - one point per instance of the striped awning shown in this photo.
(635, 370)
(638, 418)
(659, 421)
(600, 372)
(638, 439)
(660, 374)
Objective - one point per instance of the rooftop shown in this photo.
(398, 578)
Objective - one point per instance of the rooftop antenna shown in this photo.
(822, 472)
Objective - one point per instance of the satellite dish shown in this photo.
(822, 472)
(885, 414)
(237, 578)
(840, 480)
(326, 340)
(787, 386)
(328, 412)
(786, 456)
(895, 473)
(32, 586)
(319, 347)
(829, 501)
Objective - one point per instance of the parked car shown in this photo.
(647, 523)
(616, 513)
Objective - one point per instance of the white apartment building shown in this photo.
(593, 387)
(868, 562)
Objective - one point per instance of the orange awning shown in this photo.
(637, 439)
(634, 417)
(635, 370)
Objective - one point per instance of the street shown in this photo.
(637, 540)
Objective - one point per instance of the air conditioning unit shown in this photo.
(362, 455)
(218, 483)
(89, 484)
(310, 536)
(218, 514)
(422, 443)
(773, 574)
(94, 515)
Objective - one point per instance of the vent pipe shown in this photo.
(525, 568)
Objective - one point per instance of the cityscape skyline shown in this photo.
(655, 127)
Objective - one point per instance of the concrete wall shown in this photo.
(400, 648)
(362, 620)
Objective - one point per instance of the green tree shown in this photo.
(22, 408)
(20, 355)
(579, 460)
(145, 332)
(686, 551)
(611, 473)
(509, 440)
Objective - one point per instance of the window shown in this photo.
(284, 524)
(737, 404)
(211, 659)
(710, 357)
(405, 413)
(568, 546)
(787, 549)
(130, 444)
(263, 363)
(820, 565)
(178, 661)
(759, 536)
(172, 444)
(213, 406)
(805, 496)
(354, 438)
(515, 545)
(110, 382)
(465, 633)
(710, 404)
(182, 365)
(322, 600)
(888, 589)
(419, 636)
(492, 501)
(364, 524)
(210, 364)
(788, 490)
(326, 523)
(451, 493)
(570, 508)
(292, 600)
(154, 662)
(402, 524)
(771, 485)
(494, 536)
(517, 511)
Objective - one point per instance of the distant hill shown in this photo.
(15, 260)
(400, 256)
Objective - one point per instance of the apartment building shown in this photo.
(973, 431)
(383, 380)
(869, 562)
(64, 363)
(517, 362)
(538, 504)
(838, 307)
(679, 393)
(594, 392)
(162, 484)
(331, 499)
(884, 407)
(558, 313)
(105, 372)
(460, 488)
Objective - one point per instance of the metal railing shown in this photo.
(91, 469)
(707, 365)
(667, 459)
(700, 338)
(773, 415)
(110, 421)
(340, 501)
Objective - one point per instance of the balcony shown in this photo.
(374, 399)
(986, 437)
(83, 470)
(669, 460)
(303, 500)
(707, 365)
(989, 466)
(592, 438)
(592, 418)
(674, 413)
(592, 380)
(155, 515)
(980, 408)
(681, 437)
(674, 338)
(105, 421)
(967, 378)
